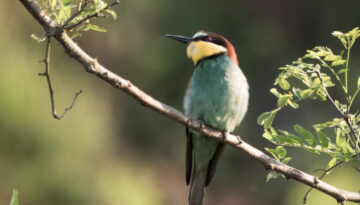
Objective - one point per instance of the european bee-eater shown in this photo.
(217, 95)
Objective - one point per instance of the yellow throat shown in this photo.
(198, 50)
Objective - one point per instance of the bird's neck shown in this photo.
(231, 52)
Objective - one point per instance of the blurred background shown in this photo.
(111, 150)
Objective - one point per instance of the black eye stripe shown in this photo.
(200, 38)
(214, 40)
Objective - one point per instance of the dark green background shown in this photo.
(111, 150)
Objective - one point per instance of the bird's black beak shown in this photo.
(182, 39)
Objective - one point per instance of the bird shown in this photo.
(217, 95)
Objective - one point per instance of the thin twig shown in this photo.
(46, 74)
(353, 98)
(46, 61)
(68, 28)
(92, 66)
(317, 70)
(325, 171)
(71, 106)
(331, 100)
(77, 13)
(334, 74)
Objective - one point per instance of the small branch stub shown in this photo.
(58, 117)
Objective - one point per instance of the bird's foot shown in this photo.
(239, 140)
(188, 123)
(201, 125)
(223, 136)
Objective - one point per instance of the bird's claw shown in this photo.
(223, 136)
(201, 125)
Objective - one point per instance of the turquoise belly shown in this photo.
(218, 94)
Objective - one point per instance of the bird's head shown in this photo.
(206, 44)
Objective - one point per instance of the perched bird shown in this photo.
(217, 95)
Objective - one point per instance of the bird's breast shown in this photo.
(218, 93)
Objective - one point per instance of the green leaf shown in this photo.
(338, 62)
(309, 56)
(337, 34)
(268, 121)
(343, 41)
(111, 13)
(262, 117)
(53, 4)
(324, 140)
(320, 94)
(269, 137)
(316, 82)
(340, 138)
(308, 137)
(297, 92)
(280, 139)
(99, 5)
(306, 93)
(322, 51)
(332, 57)
(282, 82)
(272, 152)
(280, 151)
(343, 146)
(323, 125)
(14, 197)
(343, 70)
(331, 163)
(96, 28)
(312, 54)
(275, 92)
(286, 160)
(66, 2)
(293, 104)
(358, 82)
(295, 139)
(283, 100)
(273, 131)
(91, 9)
(312, 150)
(327, 81)
(64, 14)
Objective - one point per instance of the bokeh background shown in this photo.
(109, 149)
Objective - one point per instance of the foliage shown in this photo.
(14, 198)
(75, 16)
(309, 77)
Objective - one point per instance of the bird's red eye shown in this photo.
(207, 38)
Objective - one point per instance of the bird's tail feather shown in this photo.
(198, 181)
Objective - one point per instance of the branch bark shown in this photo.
(91, 65)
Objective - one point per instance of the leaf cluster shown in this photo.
(308, 78)
(75, 16)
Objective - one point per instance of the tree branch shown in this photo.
(91, 65)
(46, 74)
